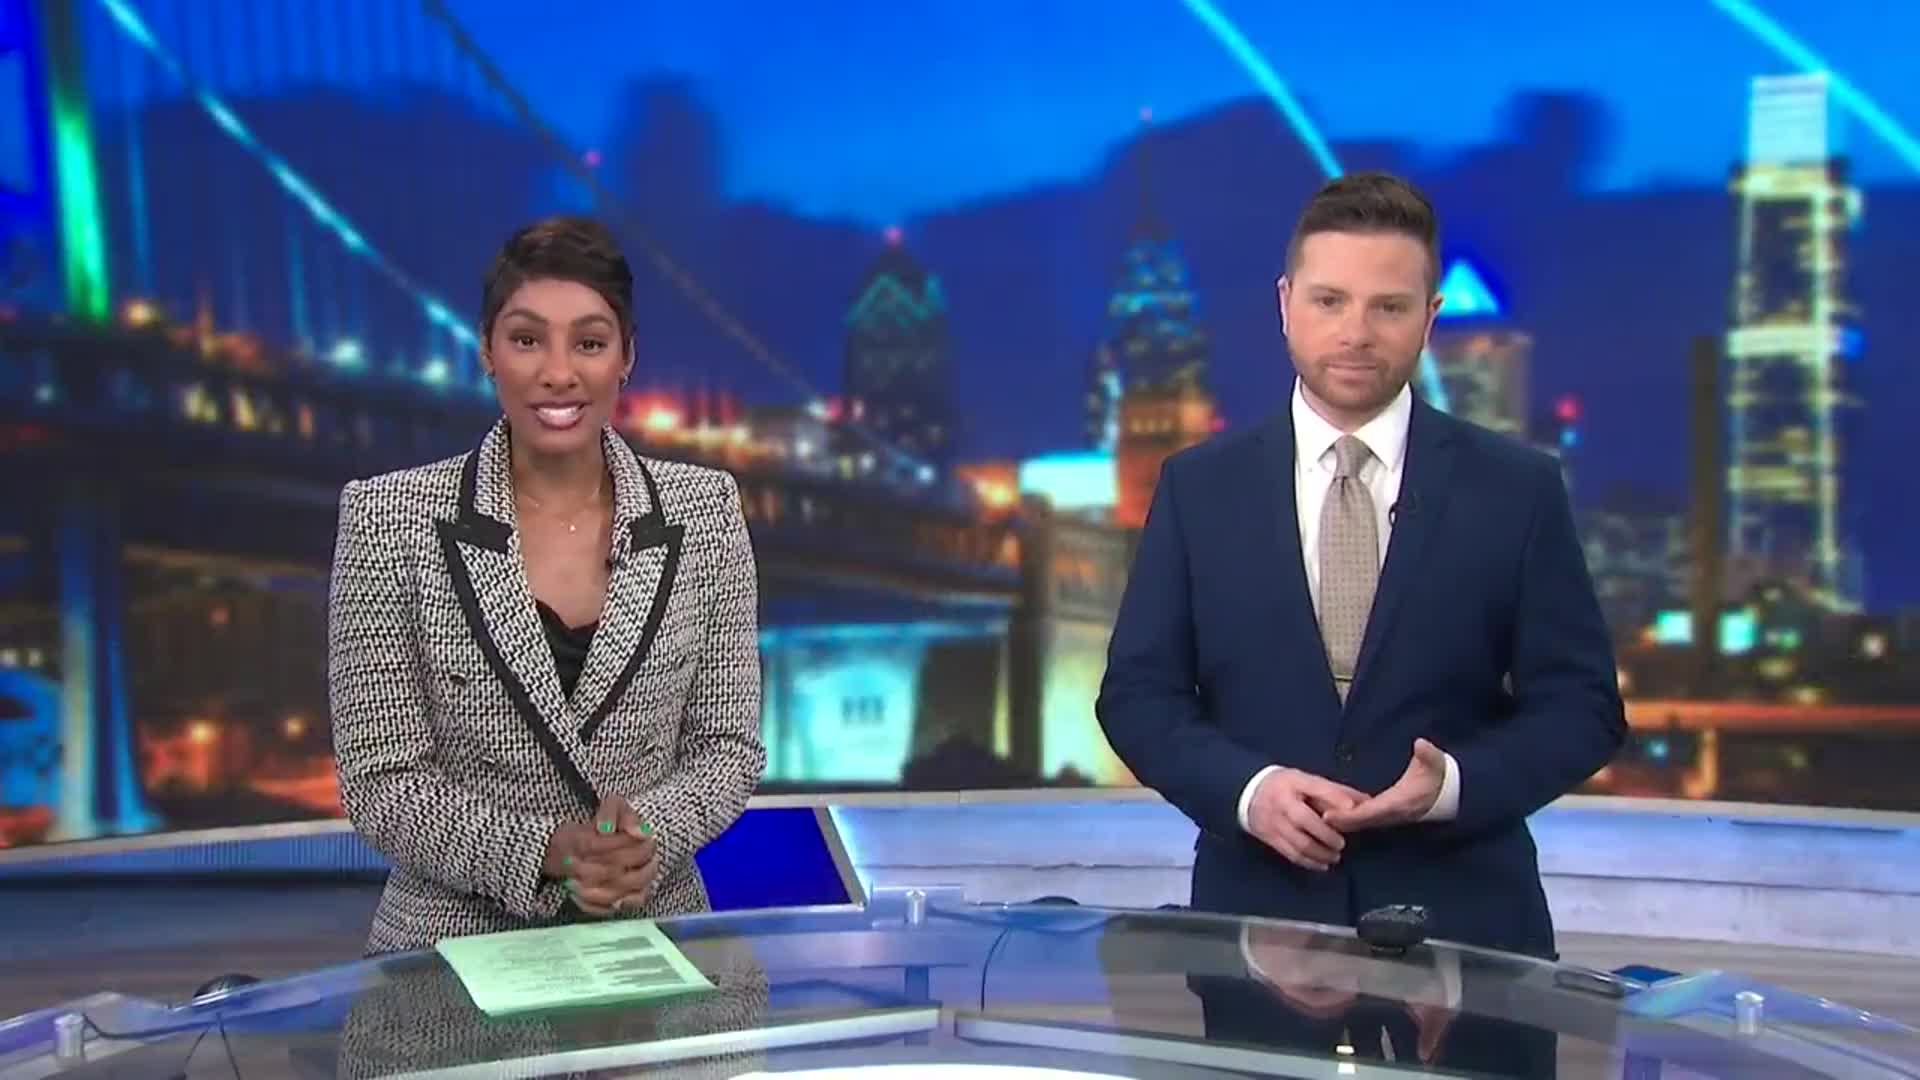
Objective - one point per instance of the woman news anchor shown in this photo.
(543, 654)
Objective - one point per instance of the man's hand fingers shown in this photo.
(1375, 812)
(1311, 852)
(1308, 821)
(1330, 794)
(1298, 848)
(1322, 793)
(1291, 852)
(1430, 755)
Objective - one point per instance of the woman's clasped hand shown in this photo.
(608, 863)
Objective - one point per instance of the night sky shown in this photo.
(1579, 155)
(880, 111)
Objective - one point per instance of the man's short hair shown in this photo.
(1371, 202)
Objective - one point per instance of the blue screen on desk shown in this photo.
(772, 857)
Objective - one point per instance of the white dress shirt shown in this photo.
(1313, 475)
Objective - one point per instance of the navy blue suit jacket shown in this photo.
(1216, 669)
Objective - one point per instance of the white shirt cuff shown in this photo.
(1246, 794)
(1447, 806)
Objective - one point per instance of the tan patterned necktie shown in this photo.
(1349, 561)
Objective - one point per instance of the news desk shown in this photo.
(919, 984)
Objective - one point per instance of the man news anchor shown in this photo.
(1359, 644)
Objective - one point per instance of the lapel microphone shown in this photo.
(1406, 504)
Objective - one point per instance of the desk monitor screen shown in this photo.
(776, 857)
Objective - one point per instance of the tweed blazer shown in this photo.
(457, 750)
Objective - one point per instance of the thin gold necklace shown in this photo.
(584, 507)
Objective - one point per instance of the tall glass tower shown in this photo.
(1792, 333)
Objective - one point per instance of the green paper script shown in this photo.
(562, 967)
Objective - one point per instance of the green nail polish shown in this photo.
(646, 828)
(566, 860)
(572, 885)
(606, 826)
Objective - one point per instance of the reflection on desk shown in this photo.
(420, 1020)
(1324, 992)
(921, 985)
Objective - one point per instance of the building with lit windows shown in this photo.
(1791, 337)
(898, 356)
(1155, 424)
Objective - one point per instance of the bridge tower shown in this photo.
(61, 70)
(48, 177)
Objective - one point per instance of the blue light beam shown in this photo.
(1850, 97)
(1269, 82)
(1309, 134)
(302, 192)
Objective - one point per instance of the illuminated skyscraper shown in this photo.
(1153, 328)
(1154, 339)
(897, 356)
(1791, 334)
(1154, 357)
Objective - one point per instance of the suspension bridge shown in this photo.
(213, 322)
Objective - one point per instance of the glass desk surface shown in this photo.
(930, 989)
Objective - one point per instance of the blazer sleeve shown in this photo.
(1568, 720)
(1149, 703)
(393, 790)
(720, 756)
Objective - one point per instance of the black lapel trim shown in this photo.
(451, 533)
(472, 526)
(649, 530)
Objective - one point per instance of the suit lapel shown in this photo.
(645, 561)
(482, 551)
(1422, 503)
(1276, 482)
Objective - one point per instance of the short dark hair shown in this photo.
(1370, 202)
(566, 248)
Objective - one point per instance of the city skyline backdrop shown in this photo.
(1021, 263)
(1594, 199)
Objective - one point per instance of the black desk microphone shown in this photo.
(1394, 929)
